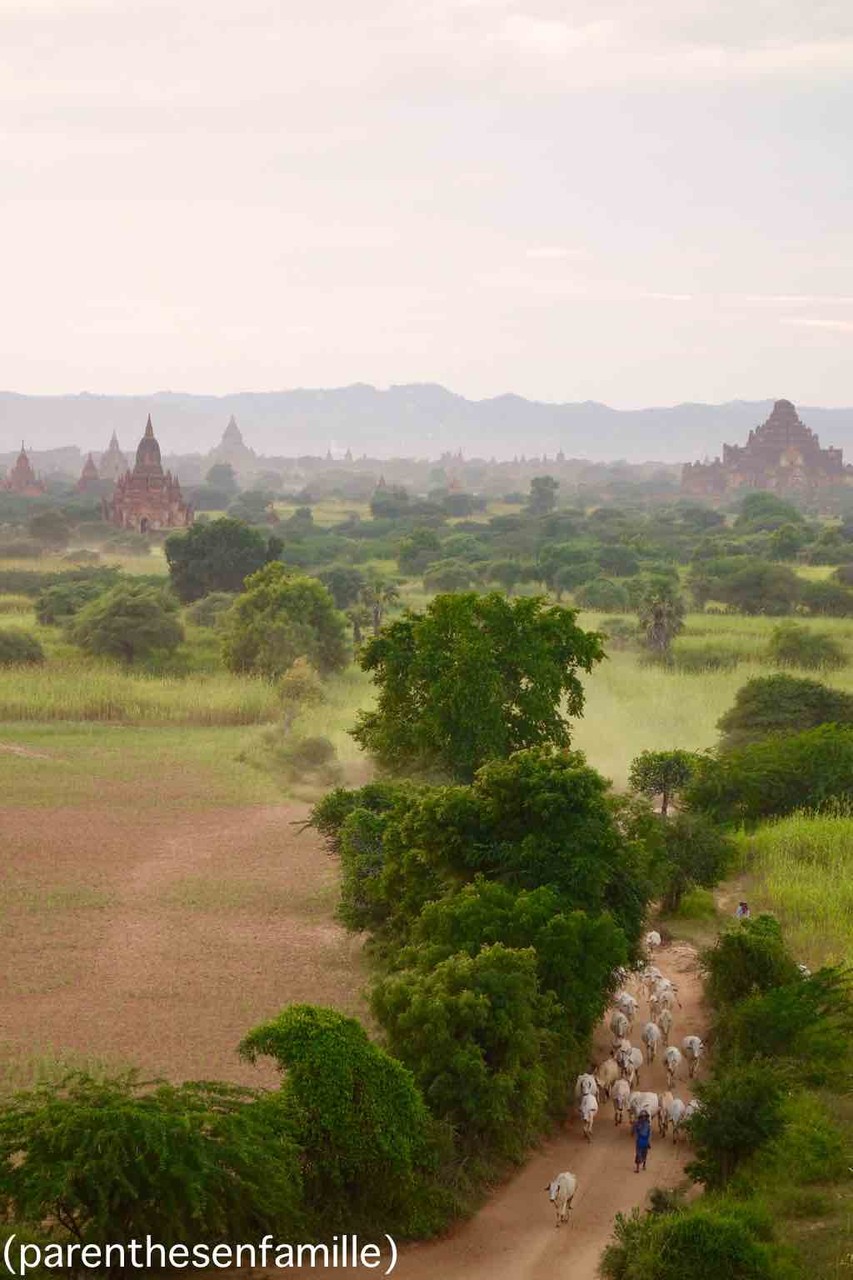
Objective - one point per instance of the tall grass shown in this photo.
(802, 870)
(65, 691)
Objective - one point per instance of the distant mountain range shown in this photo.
(416, 420)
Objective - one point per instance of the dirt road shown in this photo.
(513, 1237)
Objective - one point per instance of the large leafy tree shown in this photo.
(282, 616)
(130, 621)
(218, 556)
(781, 704)
(107, 1160)
(474, 678)
(355, 1112)
(662, 773)
(474, 1031)
(543, 495)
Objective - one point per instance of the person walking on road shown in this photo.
(642, 1131)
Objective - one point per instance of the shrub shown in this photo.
(129, 621)
(472, 1030)
(58, 604)
(280, 617)
(19, 648)
(329, 814)
(210, 610)
(716, 1240)
(602, 594)
(750, 959)
(828, 599)
(742, 1110)
(793, 645)
(775, 777)
(300, 757)
(355, 1113)
(109, 1160)
(697, 853)
(703, 658)
(781, 704)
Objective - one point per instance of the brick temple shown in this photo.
(22, 479)
(148, 498)
(781, 455)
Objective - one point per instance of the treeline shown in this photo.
(769, 1137)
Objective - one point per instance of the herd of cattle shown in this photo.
(617, 1078)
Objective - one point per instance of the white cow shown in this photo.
(664, 1021)
(664, 1103)
(626, 1004)
(561, 1192)
(653, 941)
(672, 1061)
(619, 1095)
(588, 1110)
(638, 1102)
(693, 1049)
(585, 1084)
(675, 1117)
(630, 1060)
(650, 1036)
(619, 1025)
(607, 1075)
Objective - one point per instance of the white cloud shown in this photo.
(819, 322)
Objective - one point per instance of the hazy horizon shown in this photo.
(630, 203)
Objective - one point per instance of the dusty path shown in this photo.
(513, 1237)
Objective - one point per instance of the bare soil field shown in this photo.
(158, 937)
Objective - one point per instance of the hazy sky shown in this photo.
(635, 201)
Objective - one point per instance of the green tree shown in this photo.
(780, 704)
(507, 572)
(474, 1032)
(218, 556)
(748, 960)
(661, 617)
(760, 588)
(543, 495)
(355, 1113)
(742, 1110)
(793, 645)
(130, 621)
(223, 477)
(702, 1240)
(345, 584)
(473, 678)
(50, 528)
(108, 1160)
(827, 599)
(448, 575)
(777, 776)
(418, 550)
(378, 596)
(763, 511)
(662, 773)
(618, 561)
(19, 648)
(697, 854)
(602, 594)
(282, 616)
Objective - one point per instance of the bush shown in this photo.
(355, 1113)
(781, 704)
(602, 594)
(703, 658)
(793, 645)
(775, 777)
(19, 648)
(696, 854)
(742, 1110)
(750, 959)
(129, 621)
(280, 617)
(210, 610)
(58, 604)
(473, 1030)
(719, 1241)
(106, 1161)
(828, 599)
(301, 757)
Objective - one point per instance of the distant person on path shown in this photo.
(742, 912)
(642, 1131)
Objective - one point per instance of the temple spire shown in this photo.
(149, 430)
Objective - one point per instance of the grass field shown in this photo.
(801, 868)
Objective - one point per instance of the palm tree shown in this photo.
(359, 617)
(662, 618)
(378, 596)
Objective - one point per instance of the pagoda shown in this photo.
(782, 455)
(90, 481)
(232, 448)
(22, 479)
(113, 463)
(148, 498)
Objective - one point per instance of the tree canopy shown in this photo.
(129, 621)
(780, 704)
(474, 678)
(218, 556)
(282, 616)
